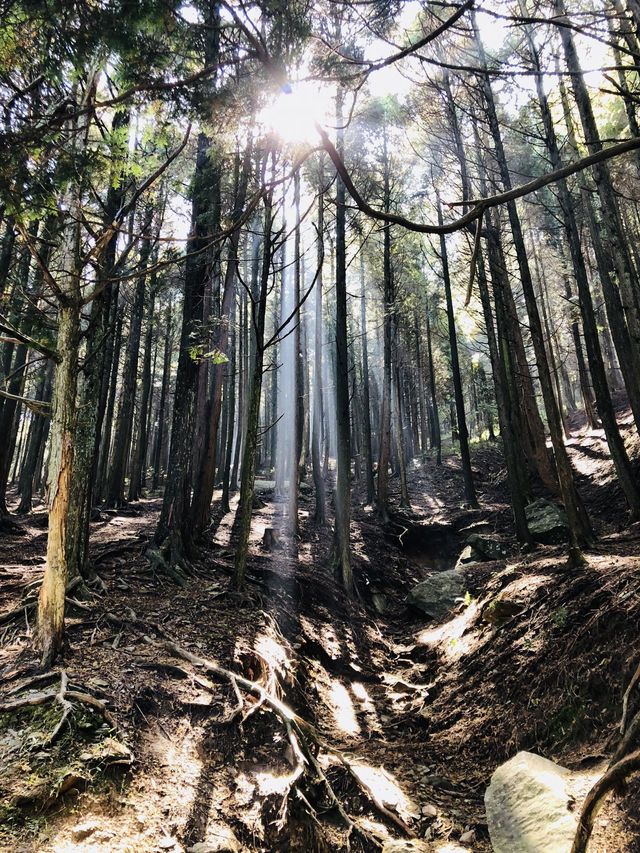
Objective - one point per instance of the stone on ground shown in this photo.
(527, 805)
(547, 522)
(438, 594)
(402, 846)
(487, 547)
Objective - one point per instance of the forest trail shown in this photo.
(422, 711)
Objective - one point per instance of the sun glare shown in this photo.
(294, 111)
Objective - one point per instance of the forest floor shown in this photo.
(410, 717)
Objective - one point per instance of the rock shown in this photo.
(220, 839)
(487, 547)
(84, 830)
(439, 594)
(500, 610)
(167, 843)
(468, 555)
(429, 812)
(103, 835)
(527, 805)
(468, 838)
(547, 522)
(440, 782)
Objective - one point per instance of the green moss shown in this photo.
(34, 774)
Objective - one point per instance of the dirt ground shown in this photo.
(408, 718)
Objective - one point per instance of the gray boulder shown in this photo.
(528, 806)
(438, 594)
(547, 522)
(487, 547)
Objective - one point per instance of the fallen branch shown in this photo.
(375, 799)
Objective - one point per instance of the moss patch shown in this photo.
(34, 772)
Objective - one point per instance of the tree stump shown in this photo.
(270, 539)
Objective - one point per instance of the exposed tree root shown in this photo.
(622, 765)
(67, 708)
(616, 774)
(63, 696)
(635, 679)
(303, 737)
(169, 559)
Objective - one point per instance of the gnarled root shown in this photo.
(305, 741)
(63, 696)
(616, 774)
(170, 558)
(623, 764)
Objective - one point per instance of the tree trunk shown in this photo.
(247, 477)
(342, 532)
(124, 422)
(51, 601)
(317, 434)
(463, 432)
(615, 442)
(580, 530)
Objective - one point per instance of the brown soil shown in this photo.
(424, 711)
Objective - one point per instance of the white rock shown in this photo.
(527, 805)
(468, 838)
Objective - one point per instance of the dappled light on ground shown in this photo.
(385, 789)
(273, 653)
(330, 642)
(455, 637)
(367, 705)
(341, 705)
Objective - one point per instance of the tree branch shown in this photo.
(478, 205)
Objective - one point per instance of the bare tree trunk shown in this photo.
(318, 408)
(435, 415)
(463, 432)
(247, 478)
(124, 422)
(162, 404)
(342, 531)
(51, 601)
(579, 527)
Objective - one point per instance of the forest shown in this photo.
(319, 426)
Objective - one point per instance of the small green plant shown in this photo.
(560, 617)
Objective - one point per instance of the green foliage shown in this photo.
(215, 356)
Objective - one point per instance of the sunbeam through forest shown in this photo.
(319, 426)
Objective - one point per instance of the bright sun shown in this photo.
(293, 113)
